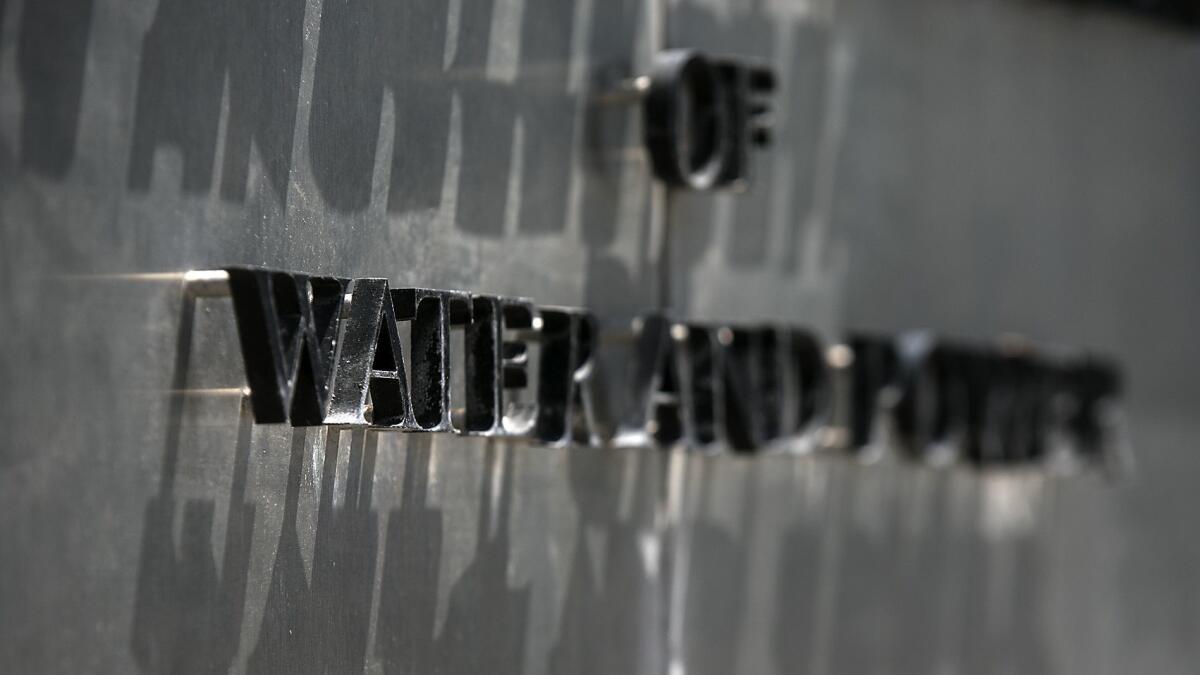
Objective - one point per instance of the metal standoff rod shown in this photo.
(206, 283)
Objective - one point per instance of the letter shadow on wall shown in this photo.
(611, 288)
(486, 619)
(799, 108)
(321, 625)
(864, 632)
(1012, 639)
(715, 596)
(191, 53)
(369, 46)
(612, 617)
(791, 639)
(51, 55)
(365, 47)
(188, 612)
(405, 638)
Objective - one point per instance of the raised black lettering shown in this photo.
(288, 327)
(564, 412)
(874, 372)
(371, 363)
(431, 313)
(497, 358)
(654, 415)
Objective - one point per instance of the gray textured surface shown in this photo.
(1026, 167)
(971, 166)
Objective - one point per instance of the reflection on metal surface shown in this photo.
(317, 355)
(1008, 164)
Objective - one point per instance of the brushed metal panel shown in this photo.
(972, 167)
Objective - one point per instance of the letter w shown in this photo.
(288, 329)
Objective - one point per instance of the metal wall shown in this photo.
(1033, 167)
(970, 166)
